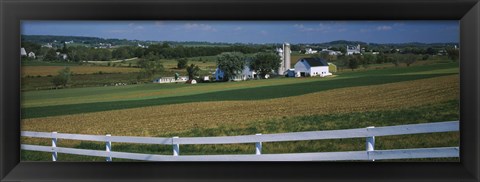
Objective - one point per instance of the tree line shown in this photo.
(162, 51)
(357, 60)
(233, 63)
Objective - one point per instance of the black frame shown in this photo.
(12, 12)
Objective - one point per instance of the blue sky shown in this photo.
(254, 31)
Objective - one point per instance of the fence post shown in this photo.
(258, 146)
(54, 146)
(108, 147)
(370, 145)
(176, 147)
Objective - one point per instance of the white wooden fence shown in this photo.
(370, 154)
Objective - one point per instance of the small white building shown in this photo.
(63, 56)
(310, 51)
(206, 78)
(193, 81)
(48, 45)
(331, 52)
(23, 52)
(31, 55)
(170, 79)
(164, 80)
(309, 67)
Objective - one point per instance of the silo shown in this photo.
(282, 63)
(286, 52)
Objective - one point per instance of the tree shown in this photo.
(425, 57)
(150, 65)
(182, 63)
(430, 51)
(409, 59)
(369, 58)
(64, 49)
(122, 53)
(231, 63)
(62, 78)
(353, 62)
(139, 52)
(323, 55)
(192, 71)
(396, 59)
(265, 62)
(381, 58)
(453, 54)
(51, 55)
(31, 47)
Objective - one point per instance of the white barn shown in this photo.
(308, 67)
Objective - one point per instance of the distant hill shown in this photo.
(58, 40)
(44, 39)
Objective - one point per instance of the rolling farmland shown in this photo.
(53, 70)
(428, 93)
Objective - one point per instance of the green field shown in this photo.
(74, 101)
(354, 99)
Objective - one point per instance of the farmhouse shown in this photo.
(353, 50)
(308, 67)
(246, 74)
(310, 51)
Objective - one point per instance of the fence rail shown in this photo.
(369, 154)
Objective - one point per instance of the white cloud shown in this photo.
(399, 24)
(321, 28)
(199, 27)
(365, 30)
(384, 28)
(378, 28)
(238, 29)
(159, 23)
(118, 31)
(298, 25)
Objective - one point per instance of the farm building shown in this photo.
(353, 50)
(331, 52)
(31, 55)
(310, 51)
(308, 67)
(23, 52)
(170, 79)
(284, 54)
(290, 73)
(246, 74)
(332, 68)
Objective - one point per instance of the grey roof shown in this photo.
(315, 61)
